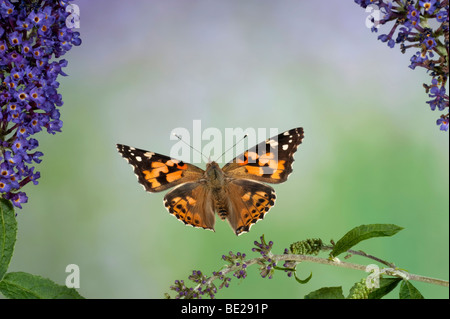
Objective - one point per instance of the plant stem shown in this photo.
(344, 264)
(363, 254)
(330, 262)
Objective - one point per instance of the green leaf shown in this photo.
(22, 285)
(326, 293)
(408, 291)
(8, 232)
(361, 233)
(386, 286)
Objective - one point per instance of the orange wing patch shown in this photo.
(269, 167)
(264, 165)
(158, 168)
(160, 172)
(279, 168)
(244, 159)
(174, 176)
(175, 162)
(255, 170)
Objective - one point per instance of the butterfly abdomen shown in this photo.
(220, 202)
(222, 212)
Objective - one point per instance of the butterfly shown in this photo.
(236, 192)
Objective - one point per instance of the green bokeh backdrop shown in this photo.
(371, 153)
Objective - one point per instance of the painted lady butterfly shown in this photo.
(235, 192)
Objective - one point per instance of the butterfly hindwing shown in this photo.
(191, 203)
(249, 202)
(269, 161)
(158, 172)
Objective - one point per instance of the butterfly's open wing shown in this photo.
(249, 201)
(158, 172)
(269, 161)
(192, 204)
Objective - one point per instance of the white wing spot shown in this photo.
(285, 147)
(149, 154)
(138, 158)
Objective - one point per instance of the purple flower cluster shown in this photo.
(31, 34)
(413, 20)
(268, 266)
(205, 287)
(237, 261)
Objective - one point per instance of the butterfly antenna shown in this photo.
(233, 146)
(179, 137)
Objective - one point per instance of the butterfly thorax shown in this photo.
(214, 176)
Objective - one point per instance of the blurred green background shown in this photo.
(371, 154)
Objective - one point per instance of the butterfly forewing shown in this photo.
(270, 161)
(158, 172)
